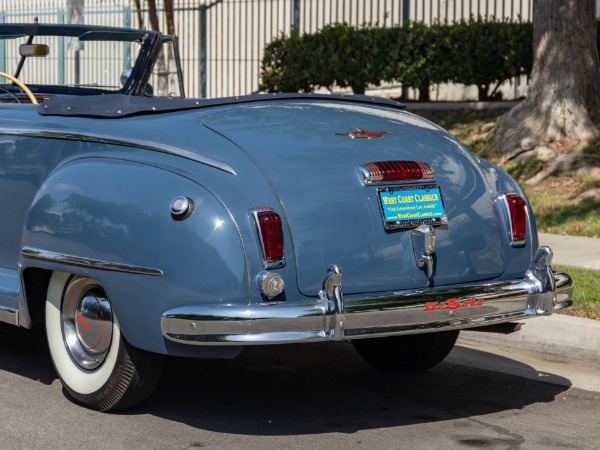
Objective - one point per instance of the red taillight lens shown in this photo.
(271, 234)
(518, 217)
(394, 171)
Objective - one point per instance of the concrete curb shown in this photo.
(559, 337)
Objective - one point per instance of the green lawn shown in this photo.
(470, 127)
(557, 213)
(587, 287)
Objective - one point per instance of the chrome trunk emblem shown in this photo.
(363, 134)
(423, 242)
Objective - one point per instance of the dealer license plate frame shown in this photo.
(392, 219)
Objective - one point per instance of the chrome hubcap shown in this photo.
(87, 322)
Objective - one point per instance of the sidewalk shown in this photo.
(573, 250)
(559, 336)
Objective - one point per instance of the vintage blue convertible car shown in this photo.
(136, 223)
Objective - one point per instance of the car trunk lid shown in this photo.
(313, 154)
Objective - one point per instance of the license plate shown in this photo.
(411, 206)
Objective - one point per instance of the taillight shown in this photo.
(396, 171)
(517, 211)
(270, 233)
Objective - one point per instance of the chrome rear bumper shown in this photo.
(335, 317)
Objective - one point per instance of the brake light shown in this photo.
(396, 171)
(517, 210)
(270, 232)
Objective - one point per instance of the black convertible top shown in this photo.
(114, 106)
(84, 32)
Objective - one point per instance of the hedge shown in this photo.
(481, 52)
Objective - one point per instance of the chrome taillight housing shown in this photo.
(396, 171)
(516, 209)
(270, 234)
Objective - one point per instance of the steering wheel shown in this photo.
(21, 85)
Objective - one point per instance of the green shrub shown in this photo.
(337, 54)
(481, 52)
(489, 52)
(417, 56)
(285, 68)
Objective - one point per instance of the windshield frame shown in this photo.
(148, 41)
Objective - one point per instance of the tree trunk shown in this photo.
(563, 102)
(482, 93)
(153, 13)
(170, 13)
(138, 10)
(424, 92)
(161, 67)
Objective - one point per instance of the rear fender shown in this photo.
(516, 259)
(111, 220)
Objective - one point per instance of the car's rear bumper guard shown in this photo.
(335, 317)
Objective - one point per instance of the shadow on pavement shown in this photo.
(325, 388)
(25, 352)
(304, 389)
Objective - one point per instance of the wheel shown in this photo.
(95, 364)
(410, 353)
(21, 85)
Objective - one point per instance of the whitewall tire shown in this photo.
(95, 364)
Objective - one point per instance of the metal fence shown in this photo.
(222, 41)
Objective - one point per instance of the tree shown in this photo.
(138, 10)
(161, 66)
(562, 107)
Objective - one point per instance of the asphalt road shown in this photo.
(305, 397)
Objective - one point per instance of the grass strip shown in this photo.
(587, 291)
(470, 127)
(557, 213)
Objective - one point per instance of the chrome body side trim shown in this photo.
(333, 316)
(9, 315)
(124, 142)
(35, 253)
